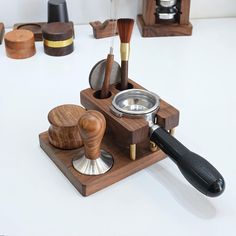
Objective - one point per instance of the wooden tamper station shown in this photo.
(58, 39)
(127, 140)
(94, 161)
(165, 18)
(132, 117)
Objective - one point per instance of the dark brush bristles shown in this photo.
(125, 28)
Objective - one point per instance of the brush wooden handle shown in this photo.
(106, 82)
(92, 127)
(124, 75)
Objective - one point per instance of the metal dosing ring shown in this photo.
(136, 102)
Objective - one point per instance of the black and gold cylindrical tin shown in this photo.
(58, 39)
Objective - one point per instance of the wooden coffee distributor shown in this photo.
(130, 130)
(19, 44)
(150, 26)
(64, 131)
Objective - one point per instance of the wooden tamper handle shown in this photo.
(92, 125)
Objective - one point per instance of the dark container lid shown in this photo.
(57, 31)
(57, 11)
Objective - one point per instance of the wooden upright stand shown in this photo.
(149, 26)
(120, 134)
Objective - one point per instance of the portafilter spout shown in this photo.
(138, 103)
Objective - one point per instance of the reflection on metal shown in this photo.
(94, 167)
(153, 146)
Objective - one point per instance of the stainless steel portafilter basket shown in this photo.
(137, 103)
(166, 9)
(167, 3)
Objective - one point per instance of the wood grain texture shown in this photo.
(149, 8)
(107, 79)
(19, 44)
(92, 125)
(123, 166)
(64, 130)
(103, 30)
(185, 9)
(57, 31)
(36, 28)
(124, 75)
(163, 30)
(132, 131)
(2, 32)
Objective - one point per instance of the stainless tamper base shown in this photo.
(94, 167)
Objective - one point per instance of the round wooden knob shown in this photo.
(92, 125)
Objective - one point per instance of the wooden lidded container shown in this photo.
(64, 129)
(58, 39)
(20, 44)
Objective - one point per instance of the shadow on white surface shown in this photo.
(188, 197)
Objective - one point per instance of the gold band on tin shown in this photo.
(124, 51)
(58, 44)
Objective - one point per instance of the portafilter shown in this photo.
(137, 103)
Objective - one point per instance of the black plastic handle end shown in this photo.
(201, 174)
(198, 171)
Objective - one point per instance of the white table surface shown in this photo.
(195, 74)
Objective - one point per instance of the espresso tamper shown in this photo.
(93, 161)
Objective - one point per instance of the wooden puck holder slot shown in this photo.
(150, 26)
(120, 134)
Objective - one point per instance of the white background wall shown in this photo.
(83, 11)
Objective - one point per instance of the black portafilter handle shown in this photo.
(198, 171)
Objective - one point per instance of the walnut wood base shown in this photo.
(160, 30)
(122, 168)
